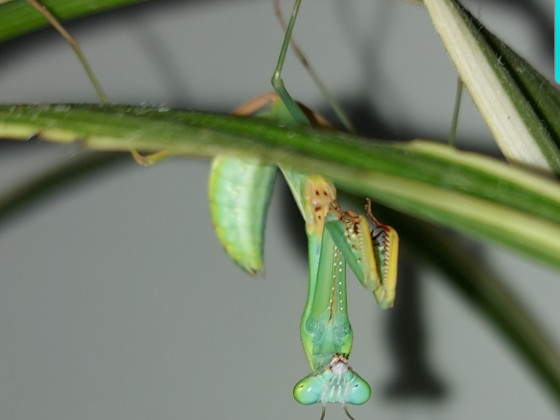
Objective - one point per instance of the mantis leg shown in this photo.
(277, 82)
(75, 46)
(386, 251)
(372, 256)
(313, 74)
(146, 161)
(151, 159)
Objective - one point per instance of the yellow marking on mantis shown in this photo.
(387, 246)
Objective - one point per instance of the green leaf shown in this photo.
(520, 106)
(477, 195)
(18, 17)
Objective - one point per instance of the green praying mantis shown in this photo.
(335, 237)
(240, 191)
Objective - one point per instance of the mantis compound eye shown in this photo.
(308, 391)
(359, 392)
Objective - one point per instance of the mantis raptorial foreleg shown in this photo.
(350, 232)
(376, 274)
(386, 247)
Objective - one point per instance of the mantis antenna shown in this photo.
(348, 413)
(345, 408)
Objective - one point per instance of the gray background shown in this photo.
(116, 300)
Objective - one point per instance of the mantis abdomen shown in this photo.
(240, 191)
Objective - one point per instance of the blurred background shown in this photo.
(116, 299)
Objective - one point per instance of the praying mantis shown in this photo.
(293, 375)
(335, 237)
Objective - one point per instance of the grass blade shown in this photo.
(519, 105)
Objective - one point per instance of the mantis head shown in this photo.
(334, 383)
